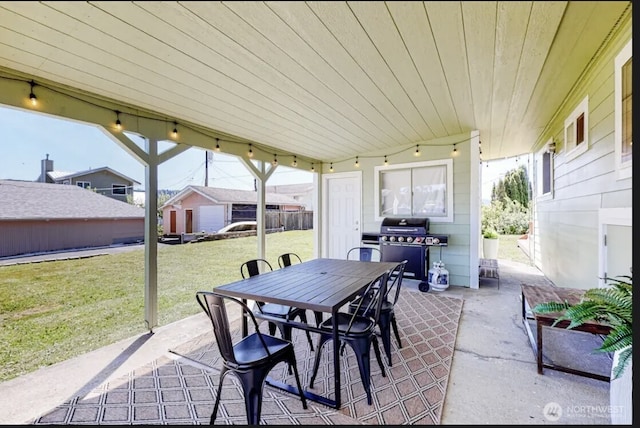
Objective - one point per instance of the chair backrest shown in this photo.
(287, 259)
(364, 254)
(395, 282)
(254, 267)
(213, 304)
(371, 304)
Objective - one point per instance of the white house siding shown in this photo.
(566, 242)
(456, 255)
(34, 236)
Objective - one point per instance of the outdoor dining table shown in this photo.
(322, 284)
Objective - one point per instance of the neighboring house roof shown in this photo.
(290, 189)
(232, 196)
(29, 200)
(61, 175)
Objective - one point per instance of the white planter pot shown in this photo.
(620, 394)
(490, 248)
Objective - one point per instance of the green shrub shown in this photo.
(507, 218)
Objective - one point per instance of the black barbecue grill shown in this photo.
(409, 239)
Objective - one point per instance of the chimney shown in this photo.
(46, 165)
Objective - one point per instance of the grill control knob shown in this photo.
(384, 238)
(418, 240)
(393, 238)
(401, 239)
(436, 241)
(409, 239)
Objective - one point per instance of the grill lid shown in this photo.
(411, 225)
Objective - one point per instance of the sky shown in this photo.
(28, 137)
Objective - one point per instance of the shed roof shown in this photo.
(232, 196)
(28, 200)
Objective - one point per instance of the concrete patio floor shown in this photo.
(493, 377)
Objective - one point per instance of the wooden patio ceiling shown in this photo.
(324, 80)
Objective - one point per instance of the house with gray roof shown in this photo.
(41, 217)
(208, 209)
(104, 180)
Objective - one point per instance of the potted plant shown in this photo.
(611, 305)
(490, 243)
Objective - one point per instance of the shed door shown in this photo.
(172, 222)
(211, 218)
(188, 221)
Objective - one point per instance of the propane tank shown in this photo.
(438, 277)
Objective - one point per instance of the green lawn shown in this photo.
(52, 311)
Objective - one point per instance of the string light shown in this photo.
(250, 154)
(331, 167)
(118, 123)
(217, 145)
(386, 163)
(275, 160)
(417, 153)
(175, 130)
(357, 164)
(313, 168)
(295, 161)
(32, 96)
(455, 151)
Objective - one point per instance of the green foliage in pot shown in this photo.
(609, 305)
(490, 234)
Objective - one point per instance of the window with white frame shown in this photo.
(419, 189)
(84, 184)
(544, 172)
(623, 108)
(118, 189)
(576, 130)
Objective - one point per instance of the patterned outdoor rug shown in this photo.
(181, 390)
(413, 391)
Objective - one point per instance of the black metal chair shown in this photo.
(251, 358)
(387, 318)
(364, 254)
(358, 331)
(287, 259)
(255, 267)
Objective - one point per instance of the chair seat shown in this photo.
(278, 310)
(360, 324)
(250, 350)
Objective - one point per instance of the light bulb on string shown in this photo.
(275, 160)
(313, 168)
(357, 164)
(175, 130)
(331, 167)
(417, 152)
(295, 161)
(250, 153)
(32, 96)
(217, 145)
(386, 163)
(118, 123)
(455, 151)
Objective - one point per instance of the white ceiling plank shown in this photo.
(543, 23)
(445, 18)
(251, 97)
(416, 33)
(377, 21)
(511, 27)
(324, 81)
(344, 26)
(479, 20)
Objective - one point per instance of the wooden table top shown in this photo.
(321, 284)
(535, 294)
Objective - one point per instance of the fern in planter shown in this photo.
(610, 305)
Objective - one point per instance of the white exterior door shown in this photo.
(342, 201)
